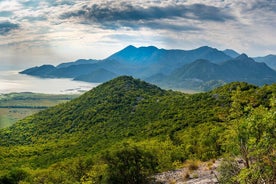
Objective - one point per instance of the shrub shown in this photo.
(130, 165)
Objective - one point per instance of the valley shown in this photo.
(16, 106)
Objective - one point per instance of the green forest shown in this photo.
(126, 130)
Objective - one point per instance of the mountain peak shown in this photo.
(130, 47)
(149, 47)
(205, 48)
(230, 52)
(243, 56)
(134, 55)
(126, 84)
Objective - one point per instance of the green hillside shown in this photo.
(125, 130)
(204, 75)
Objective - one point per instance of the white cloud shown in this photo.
(247, 26)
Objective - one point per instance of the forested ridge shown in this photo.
(125, 130)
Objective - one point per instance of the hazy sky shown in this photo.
(33, 32)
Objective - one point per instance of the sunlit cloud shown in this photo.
(64, 30)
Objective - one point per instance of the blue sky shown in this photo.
(33, 32)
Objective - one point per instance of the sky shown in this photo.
(35, 32)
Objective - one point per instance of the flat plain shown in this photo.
(16, 106)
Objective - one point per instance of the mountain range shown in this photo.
(270, 60)
(209, 74)
(199, 69)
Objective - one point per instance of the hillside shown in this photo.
(97, 76)
(91, 137)
(231, 53)
(40, 71)
(270, 60)
(78, 62)
(205, 75)
(246, 69)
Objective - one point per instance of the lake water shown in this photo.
(12, 81)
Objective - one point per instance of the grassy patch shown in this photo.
(16, 106)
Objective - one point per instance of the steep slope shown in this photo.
(200, 69)
(231, 53)
(77, 62)
(270, 60)
(204, 75)
(81, 69)
(117, 98)
(41, 71)
(134, 55)
(120, 109)
(56, 145)
(246, 69)
(209, 53)
(74, 70)
(200, 75)
(97, 76)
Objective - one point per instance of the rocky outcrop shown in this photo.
(203, 173)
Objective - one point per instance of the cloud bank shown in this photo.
(70, 29)
(155, 17)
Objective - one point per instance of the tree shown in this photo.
(255, 139)
(14, 177)
(130, 165)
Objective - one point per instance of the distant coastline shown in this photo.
(12, 81)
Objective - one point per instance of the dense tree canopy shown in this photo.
(133, 128)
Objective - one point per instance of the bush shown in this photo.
(130, 165)
(228, 171)
(14, 177)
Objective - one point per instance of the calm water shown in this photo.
(11, 81)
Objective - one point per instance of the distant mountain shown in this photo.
(246, 69)
(270, 60)
(231, 53)
(146, 61)
(208, 53)
(133, 55)
(39, 71)
(78, 62)
(198, 73)
(199, 69)
(164, 67)
(73, 71)
(97, 76)
(140, 62)
(153, 55)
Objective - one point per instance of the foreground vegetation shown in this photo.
(16, 106)
(125, 130)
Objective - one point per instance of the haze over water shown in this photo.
(12, 81)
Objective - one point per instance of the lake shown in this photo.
(12, 81)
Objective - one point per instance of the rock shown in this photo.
(205, 174)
